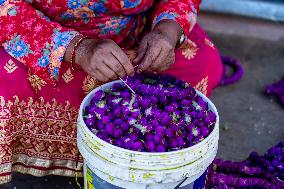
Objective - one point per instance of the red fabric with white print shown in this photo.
(28, 35)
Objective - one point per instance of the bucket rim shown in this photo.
(89, 96)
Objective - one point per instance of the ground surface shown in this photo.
(249, 120)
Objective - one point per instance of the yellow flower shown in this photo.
(5, 7)
(56, 55)
(84, 10)
(189, 49)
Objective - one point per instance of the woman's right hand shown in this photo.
(103, 59)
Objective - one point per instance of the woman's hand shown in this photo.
(103, 60)
(156, 51)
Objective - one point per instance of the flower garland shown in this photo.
(257, 171)
(238, 70)
(276, 89)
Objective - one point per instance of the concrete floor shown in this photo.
(249, 120)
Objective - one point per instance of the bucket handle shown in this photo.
(177, 186)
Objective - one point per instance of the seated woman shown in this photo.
(43, 44)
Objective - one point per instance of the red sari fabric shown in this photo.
(37, 120)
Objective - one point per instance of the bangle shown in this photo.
(181, 40)
(72, 62)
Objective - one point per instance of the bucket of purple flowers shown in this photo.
(163, 135)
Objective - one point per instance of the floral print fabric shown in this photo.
(37, 32)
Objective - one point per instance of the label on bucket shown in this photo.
(89, 178)
(92, 181)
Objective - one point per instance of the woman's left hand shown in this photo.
(156, 51)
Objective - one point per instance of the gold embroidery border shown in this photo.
(30, 161)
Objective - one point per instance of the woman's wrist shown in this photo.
(68, 53)
(171, 29)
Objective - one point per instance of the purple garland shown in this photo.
(276, 89)
(257, 171)
(237, 67)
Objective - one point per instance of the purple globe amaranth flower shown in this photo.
(100, 126)
(211, 118)
(198, 139)
(135, 105)
(126, 111)
(137, 146)
(173, 143)
(185, 103)
(108, 140)
(117, 87)
(125, 94)
(134, 136)
(98, 96)
(194, 114)
(159, 130)
(157, 115)
(174, 127)
(136, 114)
(166, 119)
(109, 128)
(117, 133)
(190, 126)
(154, 100)
(145, 103)
(163, 99)
(169, 108)
(181, 142)
(202, 103)
(201, 114)
(143, 121)
(90, 109)
(118, 122)
(127, 142)
(117, 112)
(169, 133)
(158, 138)
(106, 119)
(149, 137)
(150, 146)
(118, 143)
(90, 122)
(149, 128)
(205, 131)
(154, 122)
(190, 137)
(160, 148)
(124, 126)
(102, 135)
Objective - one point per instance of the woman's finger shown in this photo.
(142, 49)
(169, 62)
(124, 61)
(99, 76)
(160, 61)
(149, 58)
(106, 71)
(115, 66)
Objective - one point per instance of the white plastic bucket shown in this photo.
(140, 170)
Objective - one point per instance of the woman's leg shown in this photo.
(38, 121)
(198, 62)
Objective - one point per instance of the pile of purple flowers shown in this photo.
(256, 172)
(164, 114)
(277, 89)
